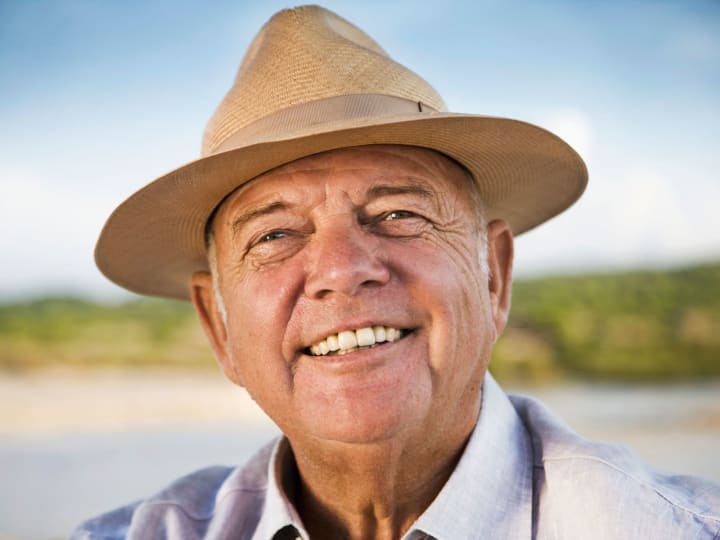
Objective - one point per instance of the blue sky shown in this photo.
(99, 98)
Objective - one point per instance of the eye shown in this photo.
(272, 235)
(399, 214)
(399, 223)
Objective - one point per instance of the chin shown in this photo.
(369, 421)
(362, 433)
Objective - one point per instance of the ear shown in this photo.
(500, 260)
(211, 319)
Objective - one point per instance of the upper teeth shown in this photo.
(349, 340)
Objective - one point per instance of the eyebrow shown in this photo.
(383, 190)
(409, 188)
(264, 210)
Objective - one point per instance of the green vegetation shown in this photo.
(76, 333)
(627, 326)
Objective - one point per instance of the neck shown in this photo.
(372, 490)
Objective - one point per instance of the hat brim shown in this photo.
(154, 241)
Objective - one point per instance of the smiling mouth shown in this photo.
(353, 340)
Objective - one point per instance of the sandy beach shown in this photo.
(65, 401)
(62, 401)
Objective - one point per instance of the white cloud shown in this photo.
(661, 217)
(646, 216)
(573, 125)
(638, 218)
(49, 235)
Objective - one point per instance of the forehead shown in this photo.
(357, 169)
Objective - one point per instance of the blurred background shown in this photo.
(105, 397)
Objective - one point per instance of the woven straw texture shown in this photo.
(312, 82)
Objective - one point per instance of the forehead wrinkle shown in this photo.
(378, 186)
(382, 184)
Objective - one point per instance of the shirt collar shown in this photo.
(279, 514)
(488, 495)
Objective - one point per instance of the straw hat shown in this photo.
(311, 82)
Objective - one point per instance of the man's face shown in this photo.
(382, 237)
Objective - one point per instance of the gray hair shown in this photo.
(212, 263)
(480, 220)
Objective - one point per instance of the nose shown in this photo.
(343, 260)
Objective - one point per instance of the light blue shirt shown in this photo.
(523, 474)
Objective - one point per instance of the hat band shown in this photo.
(281, 124)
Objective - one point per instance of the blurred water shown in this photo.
(50, 483)
(672, 427)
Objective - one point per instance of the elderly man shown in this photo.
(347, 245)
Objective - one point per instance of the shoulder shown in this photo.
(582, 486)
(188, 505)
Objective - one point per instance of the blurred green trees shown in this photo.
(636, 325)
(627, 326)
(69, 332)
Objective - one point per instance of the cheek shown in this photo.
(451, 276)
(260, 302)
(259, 307)
(450, 284)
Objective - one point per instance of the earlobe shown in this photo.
(500, 261)
(211, 319)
